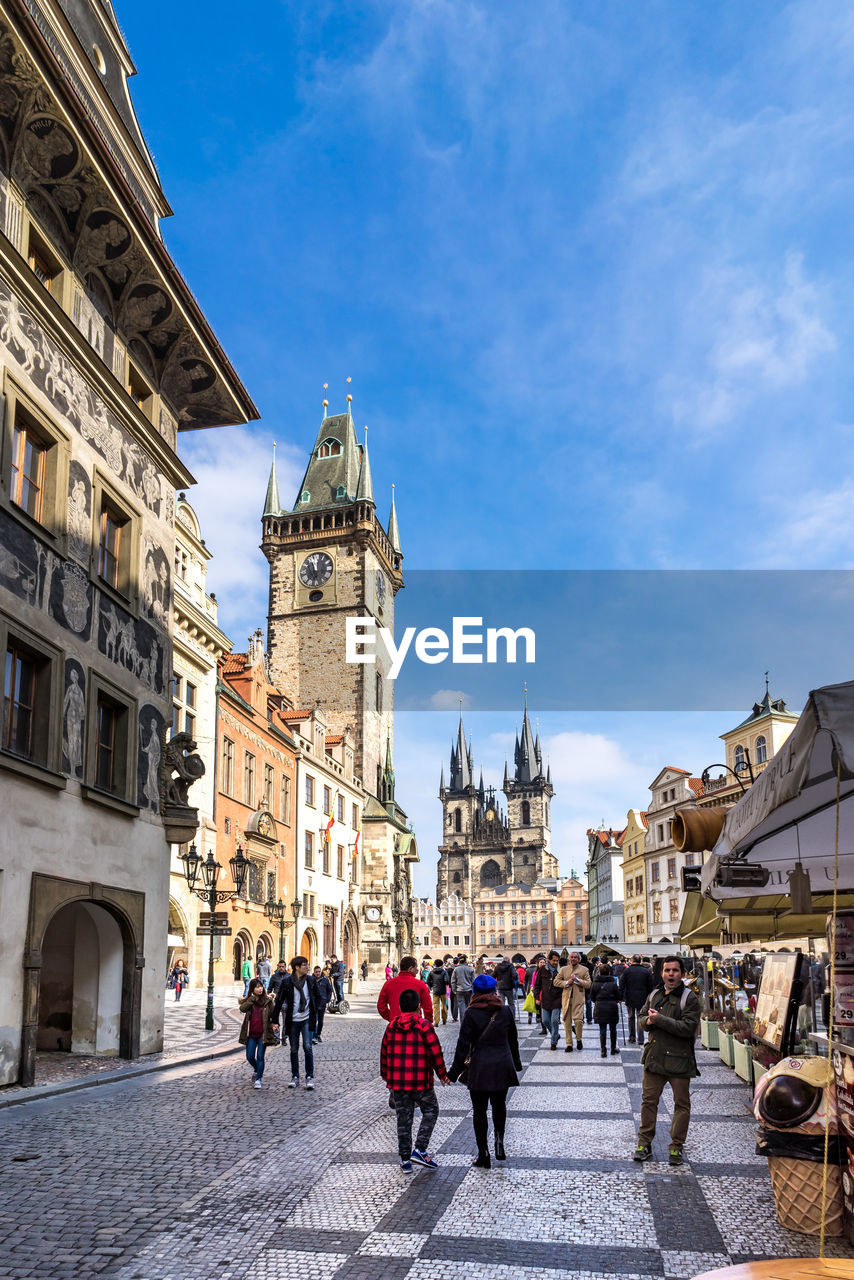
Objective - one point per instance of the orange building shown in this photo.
(256, 783)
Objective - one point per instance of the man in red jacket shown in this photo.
(388, 1004)
(410, 1052)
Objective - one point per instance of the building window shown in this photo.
(226, 826)
(182, 563)
(674, 908)
(285, 800)
(638, 886)
(526, 814)
(116, 552)
(655, 872)
(309, 789)
(43, 263)
(379, 691)
(656, 912)
(354, 817)
(271, 886)
(761, 750)
(671, 868)
(227, 770)
(308, 905)
(660, 830)
(689, 860)
(29, 454)
(255, 891)
(740, 761)
(339, 807)
(249, 779)
(327, 856)
(340, 862)
(139, 390)
(35, 464)
(110, 740)
(327, 801)
(110, 545)
(269, 778)
(184, 694)
(458, 820)
(309, 850)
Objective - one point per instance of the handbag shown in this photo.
(530, 1005)
(463, 1076)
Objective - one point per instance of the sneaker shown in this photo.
(309, 1082)
(675, 1156)
(318, 1040)
(294, 1082)
(257, 1084)
(254, 1076)
(406, 1166)
(642, 1152)
(422, 1157)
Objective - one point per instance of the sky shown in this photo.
(589, 269)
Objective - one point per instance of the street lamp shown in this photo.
(277, 911)
(385, 930)
(209, 869)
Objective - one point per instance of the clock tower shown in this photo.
(331, 558)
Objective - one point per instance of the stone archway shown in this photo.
(242, 949)
(264, 947)
(83, 966)
(308, 947)
(350, 939)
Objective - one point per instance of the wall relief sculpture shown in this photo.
(132, 644)
(36, 574)
(74, 719)
(149, 774)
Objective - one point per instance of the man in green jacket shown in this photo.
(670, 1019)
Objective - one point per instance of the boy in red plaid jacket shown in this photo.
(410, 1052)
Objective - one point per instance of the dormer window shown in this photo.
(305, 496)
(340, 492)
(329, 449)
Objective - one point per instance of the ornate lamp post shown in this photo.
(385, 930)
(276, 911)
(210, 870)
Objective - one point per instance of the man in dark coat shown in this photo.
(298, 997)
(489, 1041)
(635, 985)
(671, 1018)
(550, 996)
(505, 979)
(324, 995)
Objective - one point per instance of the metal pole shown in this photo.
(622, 1024)
(281, 939)
(209, 1016)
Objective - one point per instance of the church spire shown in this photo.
(387, 796)
(272, 505)
(365, 488)
(527, 756)
(461, 771)
(393, 531)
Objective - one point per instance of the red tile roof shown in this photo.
(696, 785)
(645, 819)
(234, 664)
(675, 768)
(296, 715)
(333, 739)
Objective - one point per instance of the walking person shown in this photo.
(550, 998)
(574, 981)
(388, 1002)
(364, 971)
(256, 1030)
(450, 965)
(246, 975)
(265, 968)
(277, 978)
(324, 995)
(438, 984)
(487, 1055)
(409, 1055)
(535, 991)
(605, 994)
(298, 997)
(505, 977)
(670, 1017)
(635, 985)
(461, 984)
(180, 976)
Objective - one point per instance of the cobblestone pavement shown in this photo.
(189, 1173)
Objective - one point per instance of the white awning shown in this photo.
(789, 814)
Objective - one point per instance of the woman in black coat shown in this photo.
(605, 995)
(488, 1037)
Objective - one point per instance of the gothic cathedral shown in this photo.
(331, 558)
(482, 845)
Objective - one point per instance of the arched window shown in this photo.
(457, 877)
(740, 762)
(340, 491)
(761, 750)
(490, 874)
(305, 496)
(379, 682)
(526, 814)
(458, 819)
(329, 449)
(524, 860)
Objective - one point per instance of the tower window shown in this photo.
(340, 491)
(526, 814)
(740, 762)
(329, 449)
(457, 877)
(305, 496)
(761, 750)
(458, 819)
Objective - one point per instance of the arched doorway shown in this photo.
(350, 940)
(81, 997)
(178, 937)
(308, 947)
(243, 949)
(264, 947)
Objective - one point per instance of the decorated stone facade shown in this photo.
(104, 357)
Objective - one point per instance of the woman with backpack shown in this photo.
(605, 994)
(486, 1060)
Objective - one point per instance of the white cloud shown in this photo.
(816, 531)
(450, 700)
(231, 466)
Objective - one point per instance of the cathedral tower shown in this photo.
(529, 793)
(330, 558)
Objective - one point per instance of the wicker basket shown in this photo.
(797, 1194)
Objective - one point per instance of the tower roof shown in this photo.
(365, 488)
(461, 770)
(272, 505)
(527, 754)
(393, 531)
(334, 468)
(768, 706)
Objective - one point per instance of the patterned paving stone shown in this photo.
(601, 1100)
(721, 1101)
(743, 1209)
(570, 1073)
(361, 1196)
(394, 1244)
(684, 1265)
(718, 1140)
(276, 1264)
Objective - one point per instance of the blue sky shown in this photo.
(588, 265)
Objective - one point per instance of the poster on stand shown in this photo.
(778, 1000)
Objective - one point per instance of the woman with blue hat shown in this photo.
(486, 1060)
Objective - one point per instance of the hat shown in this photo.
(483, 982)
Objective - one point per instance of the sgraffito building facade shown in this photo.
(104, 357)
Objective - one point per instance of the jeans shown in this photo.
(246, 988)
(603, 1035)
(588, 1007)
(321, 1014)
(255, 1051)
(405, 1102)
(651, 1091)
(463, 998)
(480, 1100)
(632, 1014)
(338, 984)
(507, 997)
(301, 1030)
(551, 1022)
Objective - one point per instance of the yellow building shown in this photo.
(749, 747)
(634, 876)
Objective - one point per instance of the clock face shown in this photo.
(373, 913)
(315, 569)
(380, 580)
(490, 814)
